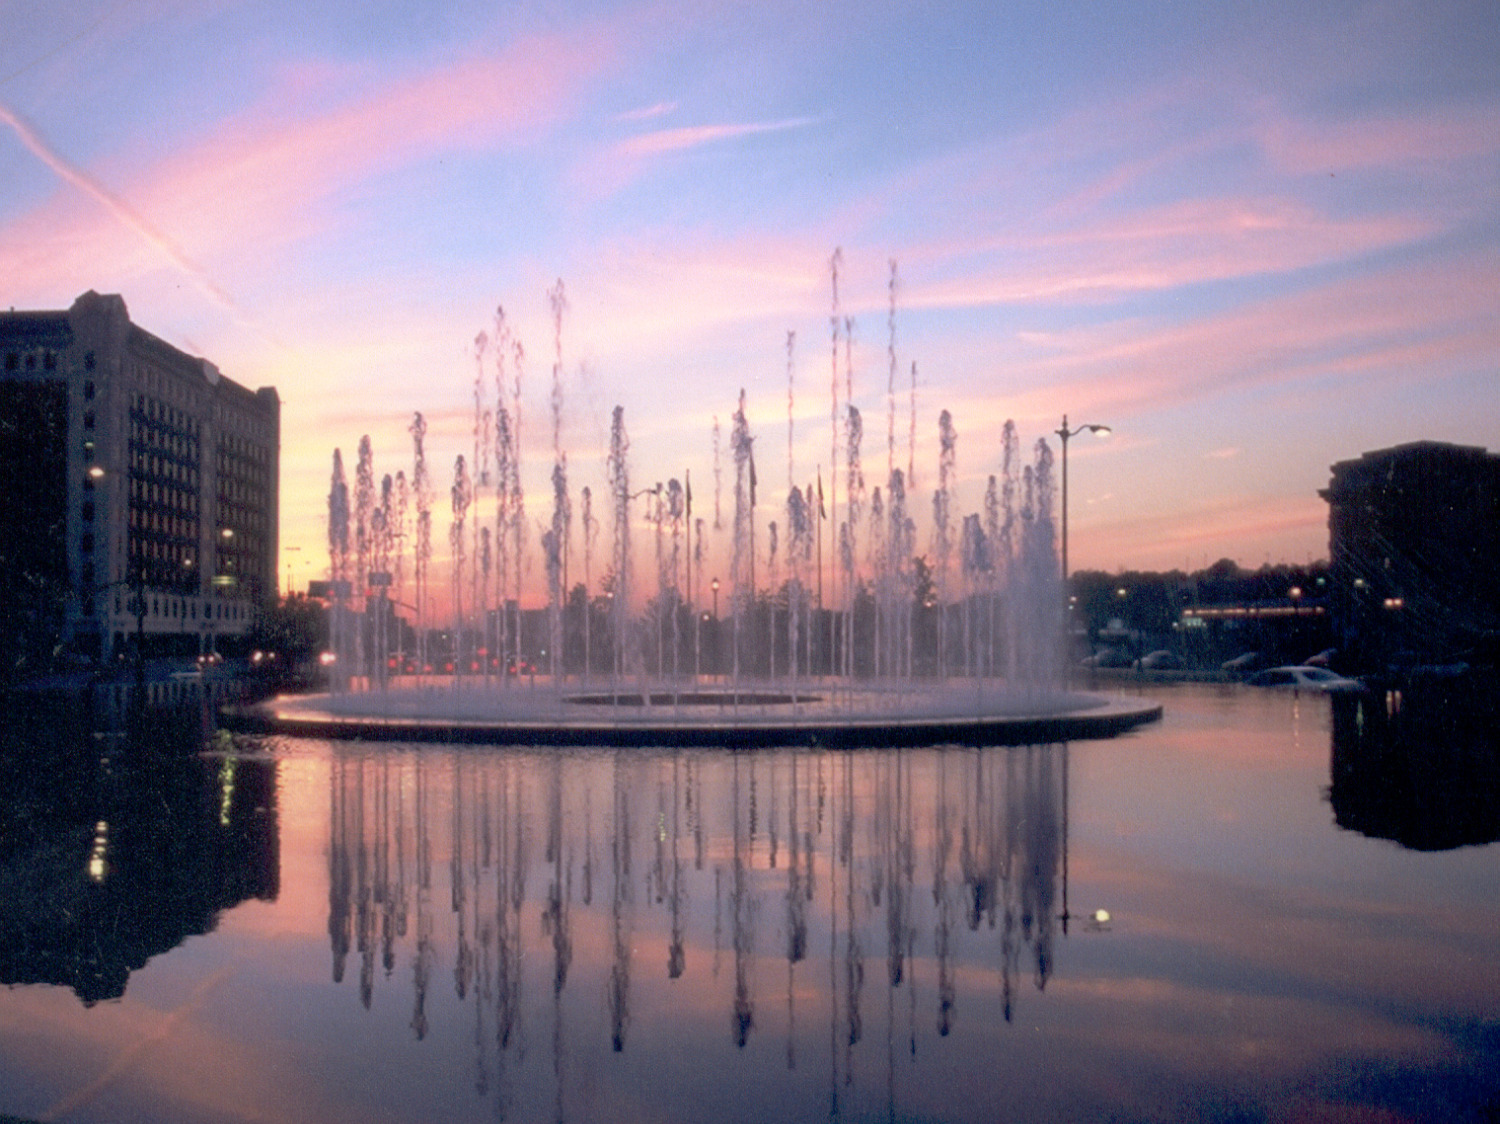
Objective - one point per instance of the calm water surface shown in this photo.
(1266, 907)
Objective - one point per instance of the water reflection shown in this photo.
(1420, 766)
(943, 865)
(118, 839)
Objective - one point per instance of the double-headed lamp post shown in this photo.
(1066, 433)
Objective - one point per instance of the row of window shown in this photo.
(16, 361)
(150, 494)
(184, 608)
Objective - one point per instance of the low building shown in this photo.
(138, 488)
(1414, 550)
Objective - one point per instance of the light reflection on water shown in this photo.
(800, 935)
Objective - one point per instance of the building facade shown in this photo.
(1414, 550)
(138, 487)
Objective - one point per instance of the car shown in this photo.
(1161, 660)
(1300, 677)
(1321, 659)
(1106, 657)
(1243, 664)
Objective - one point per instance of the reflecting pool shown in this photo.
(1266, 906)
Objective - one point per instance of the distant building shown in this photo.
(1414, 549)
(138, 487)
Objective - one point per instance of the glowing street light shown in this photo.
(1066, 433)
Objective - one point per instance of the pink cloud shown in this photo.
(1407, 323)
(112, 203)
(1379, 141)
(693, 136)
(1285, 526)
(647, 113)
(1168, 246)
(258, 180)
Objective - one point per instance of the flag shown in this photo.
(822, 511)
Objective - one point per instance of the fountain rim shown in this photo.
(1092, 717)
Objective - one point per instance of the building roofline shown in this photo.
(1375, 456)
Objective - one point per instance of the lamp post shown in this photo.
(135, 580)
(1064, 433)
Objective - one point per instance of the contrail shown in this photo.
(116, 206)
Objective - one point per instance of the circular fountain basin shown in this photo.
(695, 715)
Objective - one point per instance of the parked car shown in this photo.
(1321, 659)
(1161, 660)
(1107, 657)
(1300, 677)
(1243, 664)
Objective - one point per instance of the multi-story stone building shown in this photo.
(138, 488)
(1414, 549)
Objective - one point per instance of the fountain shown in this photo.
(890, 645)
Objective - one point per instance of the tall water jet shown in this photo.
(941, 528)
(338, 561)
(562, 507)
(364, 503)
(973, 563)
(422, 493)
(619, 487)
(461, 495)
(676, 507)
(900, 543)
(799, 553)
(742, 560)
(510, 505)
(590, 532)
(773, 578)
(995, 571)
(1039, 577)
(854, 477)
(485, 563)
(1009, 464)
(835, 322)
(480, 468)
(382, 522)
(562, 521)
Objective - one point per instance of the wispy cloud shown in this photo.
(1374, 140)
(264, 179)
(116, 206)
(694, 136)
(648, 112)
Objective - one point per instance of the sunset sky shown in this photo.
(1253, 238)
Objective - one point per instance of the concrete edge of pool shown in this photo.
(1097, 717)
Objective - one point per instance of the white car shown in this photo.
(1303, 678)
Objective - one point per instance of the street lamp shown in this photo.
(1066, 433)
(715, 585)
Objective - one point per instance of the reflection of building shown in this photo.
(1420, 768)
(104, 866)
(140, 485)
(1414, 541)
